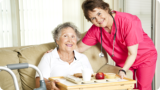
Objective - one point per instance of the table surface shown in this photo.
(125, 83)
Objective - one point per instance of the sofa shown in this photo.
(32, 54)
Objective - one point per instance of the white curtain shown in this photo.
(37, 19)
(72, 13)
(5, 24)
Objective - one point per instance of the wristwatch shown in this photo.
(122, 70)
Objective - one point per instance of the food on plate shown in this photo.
(80, 75)
(99, 75)
(110, 75)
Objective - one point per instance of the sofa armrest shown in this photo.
(114, 69)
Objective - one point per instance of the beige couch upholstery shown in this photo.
(32, 55)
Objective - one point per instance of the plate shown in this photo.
(78, 80)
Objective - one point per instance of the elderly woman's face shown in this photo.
(99, 17)
(67, 40)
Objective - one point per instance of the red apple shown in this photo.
(99, 75)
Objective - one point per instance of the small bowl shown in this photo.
(110, 75)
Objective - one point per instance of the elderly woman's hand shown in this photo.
(53, 85)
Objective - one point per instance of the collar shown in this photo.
(56, 55)
(114, 11)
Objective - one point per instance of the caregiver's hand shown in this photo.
(49, 51)
(122, 73)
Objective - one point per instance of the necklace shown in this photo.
(64, 59)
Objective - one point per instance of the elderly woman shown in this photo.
(63, 60)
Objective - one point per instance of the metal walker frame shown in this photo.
(11, 67)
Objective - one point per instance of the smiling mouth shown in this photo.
(101, 21)
(69, 45)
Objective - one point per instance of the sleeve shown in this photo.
(44, 66)
(133, 32)
(90, 37)
(86, 63)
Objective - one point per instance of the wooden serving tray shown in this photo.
(107, 85)
(77, 80)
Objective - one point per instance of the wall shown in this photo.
(157, 44)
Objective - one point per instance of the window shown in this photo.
(37, 19)
(29, 22)
(5, 24)
(141, 8)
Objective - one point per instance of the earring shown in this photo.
(57, 45)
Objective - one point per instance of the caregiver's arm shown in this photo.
(132, 54)
(81, 47)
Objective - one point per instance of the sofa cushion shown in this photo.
(31, 55)
(93, 56)
(6, 80)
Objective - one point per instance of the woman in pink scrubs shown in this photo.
(132, 50)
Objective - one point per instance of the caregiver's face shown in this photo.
(99, 17)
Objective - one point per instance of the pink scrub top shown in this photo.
(129, 32)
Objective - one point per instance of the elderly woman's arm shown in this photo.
(50, 85)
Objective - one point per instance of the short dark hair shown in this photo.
(89, 5)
